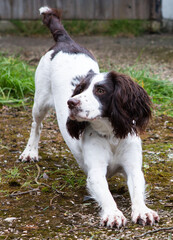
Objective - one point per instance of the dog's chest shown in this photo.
(116, 150)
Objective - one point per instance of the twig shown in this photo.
(22, 193)
(51, 200)
(153, 231)
(38, 174)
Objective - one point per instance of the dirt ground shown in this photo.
(49, 200)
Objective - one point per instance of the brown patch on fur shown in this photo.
(75, 128)
(64, 43)
(130, 107)
(51, 13)
(84, 83)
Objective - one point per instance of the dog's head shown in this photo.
(109, 95)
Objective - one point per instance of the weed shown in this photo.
(71, 179)
(26, 184)
(16, 81)
(13, 173)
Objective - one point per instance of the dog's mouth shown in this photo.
(80, 116)
(74, 113)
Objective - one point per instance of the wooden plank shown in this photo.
(103, 9)
(5, 9)
(68, 8)
(131, 9)
(140, 13)
(80, 9)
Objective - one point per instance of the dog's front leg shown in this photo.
(97, 185)
(96, 156)
(132, 159)
(140, 212)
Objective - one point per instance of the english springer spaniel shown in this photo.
(100, 116)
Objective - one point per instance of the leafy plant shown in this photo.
(13, 173)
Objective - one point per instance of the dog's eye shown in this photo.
(100, 91)
(79, 90)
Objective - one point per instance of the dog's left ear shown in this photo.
(130, 107)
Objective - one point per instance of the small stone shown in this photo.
(10, 219)
(45, 176)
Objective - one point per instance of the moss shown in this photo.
(46, 189)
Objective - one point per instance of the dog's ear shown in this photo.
(130, 107)
(75, 128)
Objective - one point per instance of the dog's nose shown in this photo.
(72, 103)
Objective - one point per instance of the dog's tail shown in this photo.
(52, 19)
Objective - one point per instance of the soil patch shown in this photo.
(47, 200)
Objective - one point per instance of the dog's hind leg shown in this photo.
(42, 103)
(30, 154)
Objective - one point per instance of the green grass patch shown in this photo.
(85, 27)
(28, 28)
(108, 27)
(17, 84)
(16, 81)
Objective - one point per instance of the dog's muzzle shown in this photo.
(73, 103)
(74, 106)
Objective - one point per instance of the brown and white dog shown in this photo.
(99, 115)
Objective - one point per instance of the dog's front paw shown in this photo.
(28, 156)
(144, 216)
(113, 218)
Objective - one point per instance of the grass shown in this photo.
(28, 28)
(109, 27)
(17, 84)
(16, 81)
(12, 173)
(85, 27)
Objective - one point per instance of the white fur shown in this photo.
(98, 155)
(44, 9)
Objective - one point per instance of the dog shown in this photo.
(100, 116)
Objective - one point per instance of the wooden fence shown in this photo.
(82, 9)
